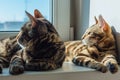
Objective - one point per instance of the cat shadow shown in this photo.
(117, 42)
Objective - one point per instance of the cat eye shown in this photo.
(25, 36)
(92, 37)
(89, 32)
(96, 36)
(99, 36)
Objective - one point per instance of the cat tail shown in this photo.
(86, 61)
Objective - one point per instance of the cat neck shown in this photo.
(20, 45)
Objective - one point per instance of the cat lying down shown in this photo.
(37, 47)
(96, 49)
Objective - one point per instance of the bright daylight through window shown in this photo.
(12, 12)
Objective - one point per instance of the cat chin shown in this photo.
(84, 42)
(87, 43)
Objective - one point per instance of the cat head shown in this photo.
(36, 27)
(98, 34)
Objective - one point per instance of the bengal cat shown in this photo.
(96, 49)
(37, 47)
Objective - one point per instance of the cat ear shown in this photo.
(96, 21)
(37, 14)
(32, 19)
(103, 24)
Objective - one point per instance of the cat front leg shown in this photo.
(110, 61)
(50, 63)
(16, 65)
(41, 65)
(84, 60)
(4, 63)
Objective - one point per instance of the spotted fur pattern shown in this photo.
(8, 48)
(96, 49)
(42, 47)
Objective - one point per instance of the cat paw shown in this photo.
(16, 69)
(102, 68)
(1, 67)
(113, 67)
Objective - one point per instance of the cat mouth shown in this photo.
(19, 41)
(20, 45)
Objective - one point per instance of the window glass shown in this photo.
(12, 12)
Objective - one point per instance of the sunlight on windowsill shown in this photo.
(69, 71)
(67, 67)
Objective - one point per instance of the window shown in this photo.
(12, 12)
(109, 11)
(12, 15)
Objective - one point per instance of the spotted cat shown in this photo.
(96, 49)
(42, 48)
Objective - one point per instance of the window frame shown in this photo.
(57, 15)
(61, 18)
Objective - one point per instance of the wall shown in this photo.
(61, 17)
(108, 8)
(79, 16)
(83, 12)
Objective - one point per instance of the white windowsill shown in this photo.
(69, 71)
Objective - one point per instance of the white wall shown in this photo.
(61, 17)
(110, 9)
(79, 17)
